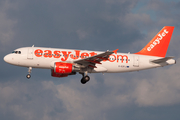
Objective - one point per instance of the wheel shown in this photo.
(28, 76)
(85, 79)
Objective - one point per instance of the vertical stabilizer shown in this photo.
(159, 44)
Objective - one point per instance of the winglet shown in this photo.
(115, 51)
(159, 44)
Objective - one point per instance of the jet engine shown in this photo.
(62, 69)
(54, 74)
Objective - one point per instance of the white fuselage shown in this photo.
(39, 57)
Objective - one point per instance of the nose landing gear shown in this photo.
(28, 76)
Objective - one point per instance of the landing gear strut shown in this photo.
(85, 78)
(28, 76)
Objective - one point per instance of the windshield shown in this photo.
(17, 52)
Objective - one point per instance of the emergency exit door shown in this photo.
(136, 61)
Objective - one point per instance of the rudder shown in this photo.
(159, 44)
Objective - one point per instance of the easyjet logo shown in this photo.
(157, 40)
(76, 54)
(63, 67)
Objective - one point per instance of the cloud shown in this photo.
(28, 101)
(95, 25)
(47, 100)
(67, 23)
(7, 24)
(82, 34)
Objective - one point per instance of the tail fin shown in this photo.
(159, 44)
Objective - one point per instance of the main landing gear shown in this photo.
(85, 78)
(28, 76)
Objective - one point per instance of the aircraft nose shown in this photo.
(7, 58)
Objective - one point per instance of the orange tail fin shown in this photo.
(159, 44)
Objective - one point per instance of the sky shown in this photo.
(127, 25)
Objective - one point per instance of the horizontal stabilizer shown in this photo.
(161, 60)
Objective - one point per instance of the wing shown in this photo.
(93, 60)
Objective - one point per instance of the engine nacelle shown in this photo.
(57, 74)
(63, 68)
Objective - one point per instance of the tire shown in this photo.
(85, 79)
(28, 76)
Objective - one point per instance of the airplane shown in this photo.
(65, 62)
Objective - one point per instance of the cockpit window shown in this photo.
(17, 52)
